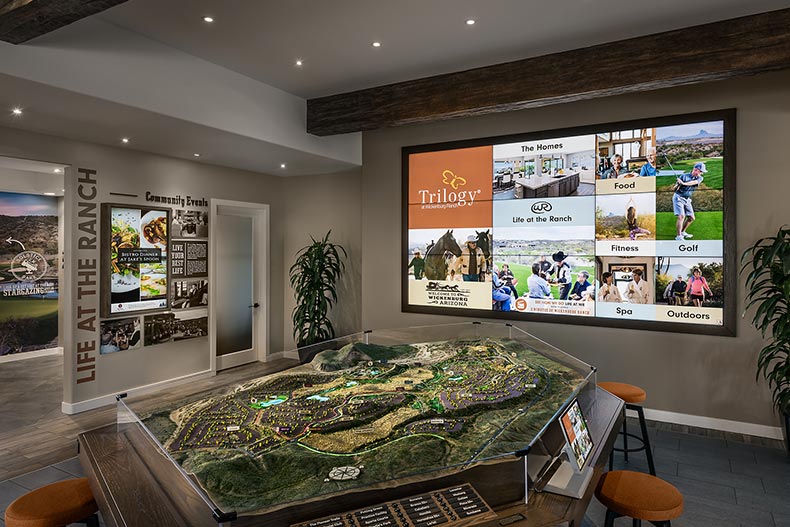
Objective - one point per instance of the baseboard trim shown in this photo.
(713, 423)
(31, 354)
(104, 400)
(291, 354)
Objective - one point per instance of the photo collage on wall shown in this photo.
(184, 240)
(190, 259)
(623, 224)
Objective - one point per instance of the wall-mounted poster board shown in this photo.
(628, 224)
(29, 265)
(135, 259)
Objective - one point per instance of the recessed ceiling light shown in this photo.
(470, 22)
(299, 62)
(377, 44)
(196, 154)
(208, 19)
(16, 111)
(58, 170)
(49, 193)
(282, 165)
(125, 140)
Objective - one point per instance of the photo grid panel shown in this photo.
(690, 223)
(624, 224)
(646, 182)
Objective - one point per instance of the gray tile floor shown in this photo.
(11, 489)
(725, 482)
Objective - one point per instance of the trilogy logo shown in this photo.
(541, 206)
(455, 181)
(450, 198)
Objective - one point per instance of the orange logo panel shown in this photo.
(451, 188)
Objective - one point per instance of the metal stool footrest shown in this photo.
(633, 436)
(644, 440)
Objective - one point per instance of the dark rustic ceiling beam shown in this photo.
(23, 20)
(719, 50)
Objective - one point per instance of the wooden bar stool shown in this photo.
(631, 395)
(54, 505)
(639, 496)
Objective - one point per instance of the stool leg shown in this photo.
(610, 516)
(611, 461)
(91, 521)
(625, 434)
(646, 440)
(637, 523)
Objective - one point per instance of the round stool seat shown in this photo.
(627, 392)
(639, 495)
(53, 505)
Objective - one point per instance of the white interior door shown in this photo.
(238, 285)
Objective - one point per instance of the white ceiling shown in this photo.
(262, 39)
(154, 71)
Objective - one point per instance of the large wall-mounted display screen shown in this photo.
(617, 224)
(135, 243)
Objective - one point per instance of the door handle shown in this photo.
(256, 304)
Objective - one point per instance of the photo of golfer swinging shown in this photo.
(689, 182)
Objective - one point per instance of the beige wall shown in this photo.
(314, 205)
(698, 375)
(299, 206)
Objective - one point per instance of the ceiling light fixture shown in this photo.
(299, 62)
(282, 165)
(470, 22)
(16, 111)
(208, 19)
(58, 170)
(377, 44)
(49, 193)
(125, 140)
(196, 155)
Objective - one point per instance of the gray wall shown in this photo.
(698, 375)
(314, 205)
(299, 206)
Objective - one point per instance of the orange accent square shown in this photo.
(451, 188)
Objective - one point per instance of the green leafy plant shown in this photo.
(767, 263)
(314, 277)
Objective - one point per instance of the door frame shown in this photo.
(260, 214)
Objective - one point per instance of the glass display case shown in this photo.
(366, 418)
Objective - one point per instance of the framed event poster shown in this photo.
(135, 243)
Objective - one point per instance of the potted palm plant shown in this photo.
(767, 268)
(314, 276)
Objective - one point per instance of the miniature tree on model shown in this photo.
(314, 278)
(768, 291)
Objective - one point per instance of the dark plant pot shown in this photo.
(786, 428)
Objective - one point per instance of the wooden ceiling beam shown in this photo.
(718, 50)
(23, 20)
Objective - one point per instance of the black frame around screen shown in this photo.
(730, 260)
(106, 257)
(568, 439)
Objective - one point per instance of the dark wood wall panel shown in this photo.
(719, 50)
(23, 20)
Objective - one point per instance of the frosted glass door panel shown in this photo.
(234, 284)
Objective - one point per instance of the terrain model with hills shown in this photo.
(364, 415)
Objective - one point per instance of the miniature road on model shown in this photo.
(362, 415)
